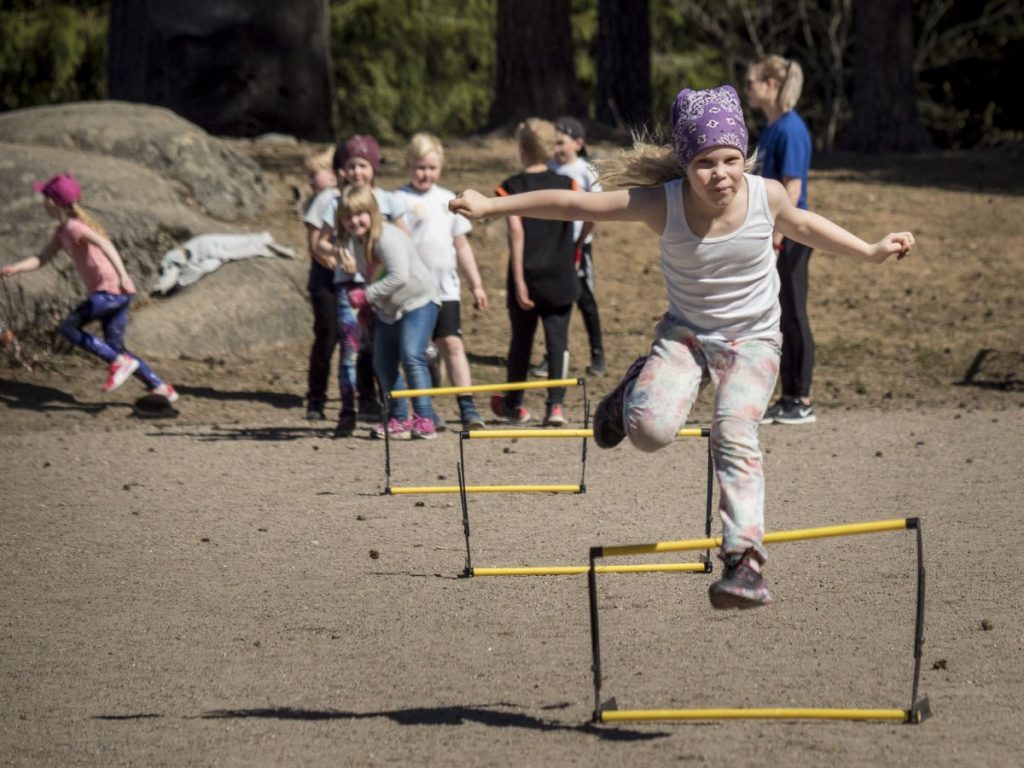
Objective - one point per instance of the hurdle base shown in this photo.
(609, 706)
(922, 711)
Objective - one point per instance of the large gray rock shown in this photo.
(220, 181)
(143, 173)
(235, 67)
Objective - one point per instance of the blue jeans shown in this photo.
(406, 342)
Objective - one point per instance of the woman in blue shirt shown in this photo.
(773, 86)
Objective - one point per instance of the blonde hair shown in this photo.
(536, 139)
(320, 161)
(649, 163)
(360, 200)
(421, 145)
(790, 76)
(77, 211)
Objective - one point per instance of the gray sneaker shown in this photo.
(773, 410)
(740, 586)
(795, 412)
(609, 429)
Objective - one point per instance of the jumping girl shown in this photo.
(715, 223)
(109, 287)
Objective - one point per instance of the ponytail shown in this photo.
(78, 212)
(790, 76)
(648, 164)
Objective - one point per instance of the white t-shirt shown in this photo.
(434, 229)
(586, 179)
(319, 206)
(726, 287)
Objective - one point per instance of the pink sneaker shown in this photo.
(120, 371)
(518, 415)
(555, 417)
(397, 429)
(423, 428)
(167, 391)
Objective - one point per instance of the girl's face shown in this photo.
(760, 91)
(716, 175)
(358, 172)
(320, 179)
(425, 172)
(357, 223)
(52, 209)
(566, 148)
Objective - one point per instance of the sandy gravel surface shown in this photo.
(238, 592)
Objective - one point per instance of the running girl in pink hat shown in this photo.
(109, 287)
(715, 224)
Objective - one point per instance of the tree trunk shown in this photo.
(233, 67)
(536, 71)
(884, 103)
(623, 62)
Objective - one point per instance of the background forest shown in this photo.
(407, 65)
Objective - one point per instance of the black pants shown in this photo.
(797, 366)
(325, 339)
(556, 338)
(588, 303)
(326, 333)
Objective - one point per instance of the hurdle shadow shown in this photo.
(36, 397)
(218, 434)
(495, 361)
(283, 400)
(456, 715)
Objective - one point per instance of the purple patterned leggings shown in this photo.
(744, 373)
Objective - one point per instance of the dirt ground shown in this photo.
(231, 588)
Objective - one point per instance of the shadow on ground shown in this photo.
(36, 397)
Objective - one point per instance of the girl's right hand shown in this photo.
(523, 297)
(896, 244)
(470, 204)
(347, 262)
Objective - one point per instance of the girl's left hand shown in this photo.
(896, 244)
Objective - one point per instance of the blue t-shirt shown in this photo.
(784, 149)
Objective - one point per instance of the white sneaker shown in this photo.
(167, 391)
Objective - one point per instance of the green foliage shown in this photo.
(52, 52)
(403, 66)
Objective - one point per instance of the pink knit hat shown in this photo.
(63, 189)
(363, 146)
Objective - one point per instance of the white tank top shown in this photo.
(725, 287)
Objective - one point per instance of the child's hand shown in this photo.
(896, 244)
(523, 297)
(7, 271)
(347, 262)
(479, 298)
(470, 204)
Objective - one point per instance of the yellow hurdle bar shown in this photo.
(851, 529)
(507, 387)
(504, 434)
(487, 489)
(571, 570)
(755, 713)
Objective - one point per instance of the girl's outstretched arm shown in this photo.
(32, 263)
(818, 232)
(642, 204)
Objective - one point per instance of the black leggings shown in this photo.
(324, 299)
(797, 367)
(556, 338)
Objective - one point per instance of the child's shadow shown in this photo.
(275, 399)
(35, 397)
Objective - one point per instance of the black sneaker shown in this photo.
(370, 411)
(795, 412)
(774, 410)
(740, 586)
(597, 367)
(315, 412)
(346, 424)
(540, 370)
(609, 430)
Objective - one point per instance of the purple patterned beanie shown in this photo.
(705, 119)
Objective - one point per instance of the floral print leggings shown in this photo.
(744, 372)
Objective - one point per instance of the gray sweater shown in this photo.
(402, 282)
